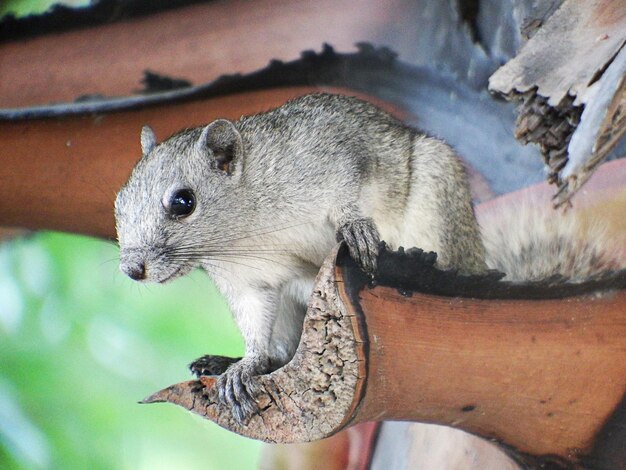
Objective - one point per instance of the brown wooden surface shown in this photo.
(550, 371)
(541, 376)
(515, 376)
(199, 43)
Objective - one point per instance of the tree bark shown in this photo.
(570, 79)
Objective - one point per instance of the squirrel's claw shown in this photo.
(238, 389)
(362, 239)
(211, 365)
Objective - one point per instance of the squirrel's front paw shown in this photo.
(237, 387)
(211, 365)
(362, 239)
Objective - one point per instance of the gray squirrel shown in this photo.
(259, 203)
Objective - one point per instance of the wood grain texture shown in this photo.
(509, 370)
(198, 43)
(569, 79)
(541, 377)
(311, 397)
(574, 45)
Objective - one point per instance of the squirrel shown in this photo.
(259, 203)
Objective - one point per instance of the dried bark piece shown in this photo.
(603, 124)
(557, 76)
(568, 53)
(549, 127)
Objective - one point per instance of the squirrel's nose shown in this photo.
(137, 272)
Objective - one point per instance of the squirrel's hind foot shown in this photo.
(238, 389)
(236, 386)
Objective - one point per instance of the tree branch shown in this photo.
(505, 369)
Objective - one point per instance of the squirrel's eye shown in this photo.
(182, 203)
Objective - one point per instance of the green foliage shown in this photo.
(80, 344)
(21, 8)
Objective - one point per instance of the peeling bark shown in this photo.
(550, 127)
(311, 397)
(538, 368)
(556, 77)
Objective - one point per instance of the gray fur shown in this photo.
(296, 178)
(148, 140)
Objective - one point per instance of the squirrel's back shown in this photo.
(347, 132)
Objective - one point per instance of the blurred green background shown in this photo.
(80, 344)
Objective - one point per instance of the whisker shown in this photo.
(225, 260)
(260, 258)
(212, 246)
(212, 272)
(209, 252)
(274, 230)
(229, 252)
(247, 235)
(223, 257)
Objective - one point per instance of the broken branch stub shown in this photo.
(313, 395)
(569, 79)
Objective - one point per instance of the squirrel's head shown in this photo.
(176, 201)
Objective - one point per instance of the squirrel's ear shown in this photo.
(148, 140)
(224, 141)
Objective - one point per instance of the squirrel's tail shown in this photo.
(534, 242)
